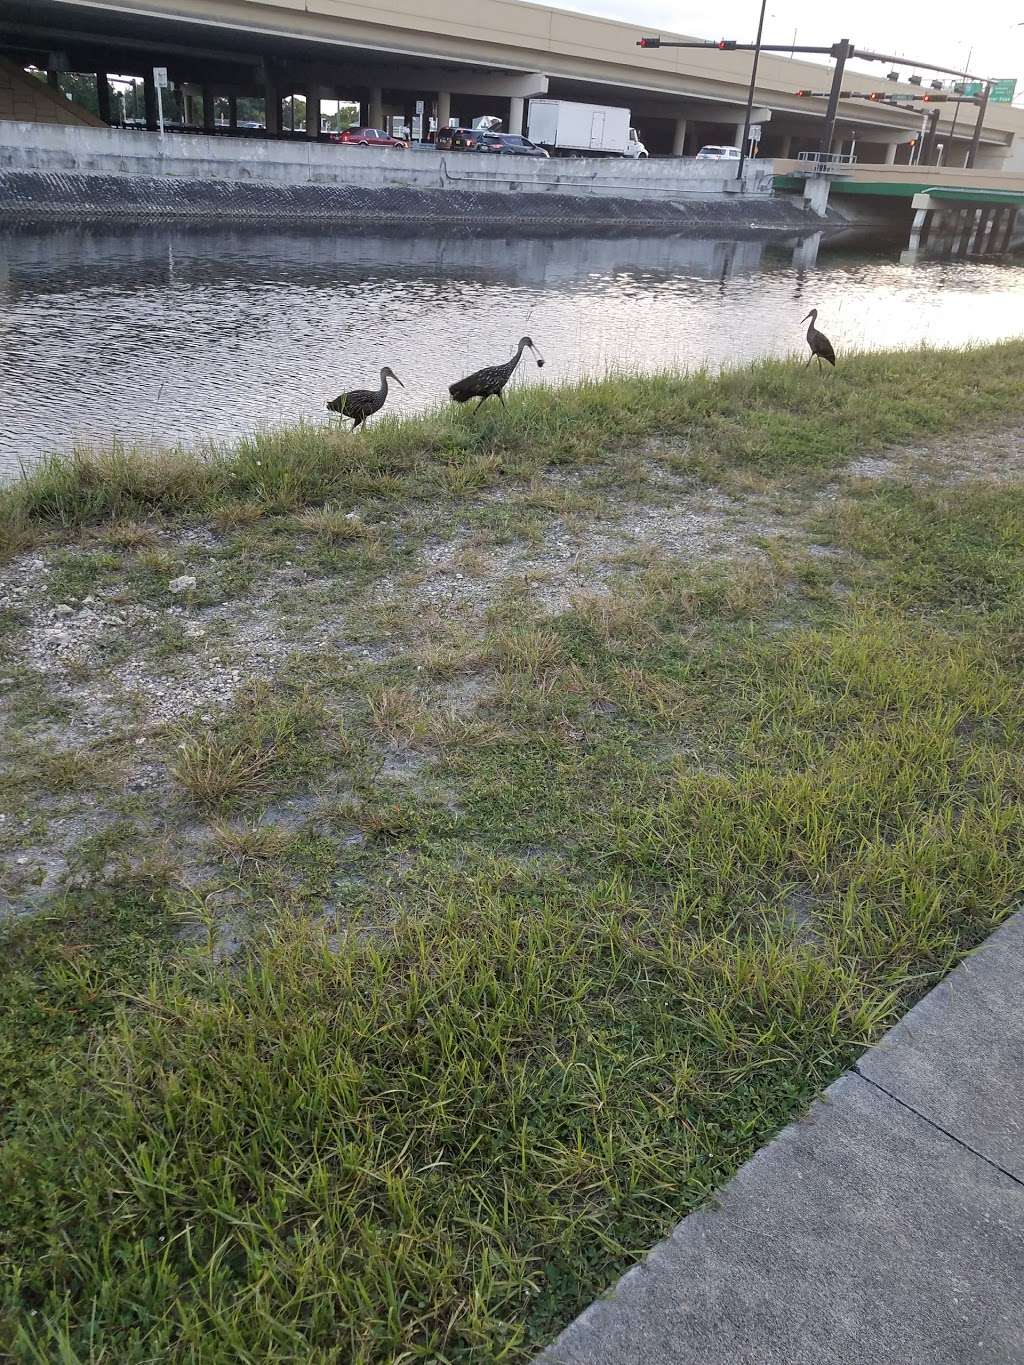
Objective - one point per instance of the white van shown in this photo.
(718, 154)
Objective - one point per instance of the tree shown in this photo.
(74, 85)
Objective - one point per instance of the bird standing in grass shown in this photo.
(821, 347)
(362, 403)
(491, 380)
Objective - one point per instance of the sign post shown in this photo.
(160, 81)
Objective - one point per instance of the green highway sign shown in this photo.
(1001, 92)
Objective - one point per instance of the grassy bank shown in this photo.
(517, 823)
(765, 420)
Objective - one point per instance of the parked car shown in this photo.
(511, 144)
(458, 139)
(368, 137)
(718, 154)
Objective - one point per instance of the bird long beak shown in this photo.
(398, 381)
(540, 358)
(804, 319)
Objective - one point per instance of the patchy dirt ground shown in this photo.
(118, 649)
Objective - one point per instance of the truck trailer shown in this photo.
(567, 129)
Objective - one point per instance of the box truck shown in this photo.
(568, 129)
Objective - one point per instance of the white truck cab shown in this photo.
(634, 147)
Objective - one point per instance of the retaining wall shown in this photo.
(116, 152)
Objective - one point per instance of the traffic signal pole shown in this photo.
(976, 139)
(842, 52)
(750, 93)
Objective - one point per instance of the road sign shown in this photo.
(1001, 92)
(160, 81)
(755, 132)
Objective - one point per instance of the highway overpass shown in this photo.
(463, 60)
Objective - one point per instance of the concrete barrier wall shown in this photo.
(108, 151)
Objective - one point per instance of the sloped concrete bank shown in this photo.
(31, 195)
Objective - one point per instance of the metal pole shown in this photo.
(160, 111)
(750, 92)
(976, 139)
(956, 107)
(842, 51)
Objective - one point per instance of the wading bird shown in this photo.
(362, 403)
(821, 347)
(489, 382)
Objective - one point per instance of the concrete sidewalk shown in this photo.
(886, 1226)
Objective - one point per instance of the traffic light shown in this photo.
(649, 42)
(727, 44)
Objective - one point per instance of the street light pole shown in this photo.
(750, 92)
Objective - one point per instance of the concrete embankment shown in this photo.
(75, 197)
(70, 172)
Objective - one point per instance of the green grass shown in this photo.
(773, 417)
(537, 974)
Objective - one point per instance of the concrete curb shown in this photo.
(885, 1226)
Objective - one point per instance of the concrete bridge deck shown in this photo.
(903, 182)
(463, 60)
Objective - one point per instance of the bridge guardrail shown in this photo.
(826, 163)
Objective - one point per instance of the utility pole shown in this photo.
(750, 92)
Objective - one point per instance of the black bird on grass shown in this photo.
(491, 380)
(362, 403)
(821, 347)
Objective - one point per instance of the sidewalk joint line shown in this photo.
(939, 1128)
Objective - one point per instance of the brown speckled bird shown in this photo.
(821, 347)
(362, 403)
(491, 380)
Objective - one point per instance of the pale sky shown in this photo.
(931, 32)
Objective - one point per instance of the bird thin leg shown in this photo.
(479, 405)
(501, 396)
(809, 359)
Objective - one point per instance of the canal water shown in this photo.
(165, 335)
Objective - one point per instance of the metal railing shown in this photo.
(826, 163)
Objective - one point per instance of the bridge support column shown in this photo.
(1009, 222)
(975, 230)
(737, 137)
(917, 228)
(516, 109)
(103, 95)
(209, 111)
(233, 112)
(890, 153)
(786, 146)
(444, 107)
(816, 188)
(312, 113)
(679, 137)
(376, 107)
(272, 109)
(149, 95)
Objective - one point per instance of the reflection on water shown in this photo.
(187, 334)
